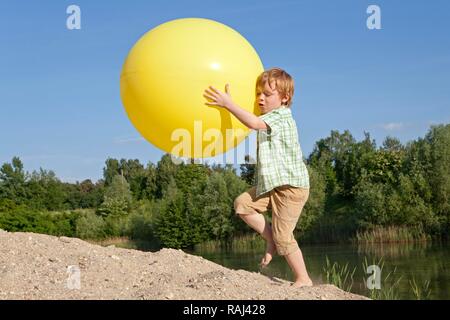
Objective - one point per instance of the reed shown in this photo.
(340, 276)
(389, 286)
(422, 292)
(390, 234)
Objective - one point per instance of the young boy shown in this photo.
(281, 175)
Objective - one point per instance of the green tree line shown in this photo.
(358, 191)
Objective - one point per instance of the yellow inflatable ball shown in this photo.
(163, 81)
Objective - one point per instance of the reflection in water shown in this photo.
(394, 250)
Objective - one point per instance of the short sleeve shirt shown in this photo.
(279, 155)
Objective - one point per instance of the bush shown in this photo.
(141, 221)
(314, 207)
(90, 226)
(370, 204)
(23, 219)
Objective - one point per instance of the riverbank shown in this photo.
(37, 266)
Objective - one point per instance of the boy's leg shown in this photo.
(297, 264)
(287, 203)
(260, 225)
(249, 209)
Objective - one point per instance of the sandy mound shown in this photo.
(38, 266)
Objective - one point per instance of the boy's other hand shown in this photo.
(217, 97)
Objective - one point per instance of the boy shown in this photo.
(281, 175)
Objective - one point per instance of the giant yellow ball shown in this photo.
(164, 77)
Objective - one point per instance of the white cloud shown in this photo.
(393, 126)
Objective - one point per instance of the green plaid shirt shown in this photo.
(279, 156)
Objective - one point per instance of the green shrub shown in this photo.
(90, 226)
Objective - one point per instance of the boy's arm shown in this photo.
(247, 118)
(223, 99)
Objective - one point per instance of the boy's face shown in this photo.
(269, 98)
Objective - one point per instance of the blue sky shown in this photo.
(60, 96)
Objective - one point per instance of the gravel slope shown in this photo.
(38, 266)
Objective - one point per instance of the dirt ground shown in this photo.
(37, 266)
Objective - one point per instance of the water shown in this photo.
(421, 262)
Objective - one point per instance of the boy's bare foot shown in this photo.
(299, 284)
(270, 251)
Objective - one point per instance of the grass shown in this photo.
(390, 234)
(388, 285)
(340, 276)
(420, 292)
(384, 291)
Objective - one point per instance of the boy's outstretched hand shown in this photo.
(218, 98)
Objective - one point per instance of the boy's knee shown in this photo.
(244, 203)
(239, 204)
(285, 244)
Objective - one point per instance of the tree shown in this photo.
(329, 155)
(12, 181)
(392, 144)
(199, 225)
(172, 225)
(315, 206)
(91, 193)
(85, 194)
(370, 204)
(134, 172)
(149, 185)
(110, 170)
(384, 166)
(46, 191)
(217, 207)
(438, 137)
(248, 170)
(117, 200)
(165, 172)
(191, 177)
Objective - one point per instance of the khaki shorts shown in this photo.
(286, 203)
